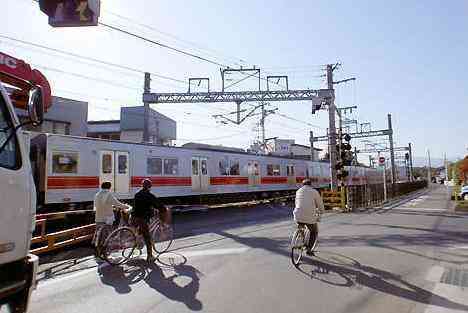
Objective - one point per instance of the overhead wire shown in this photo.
(124, 67)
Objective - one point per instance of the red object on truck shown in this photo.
(19, 74)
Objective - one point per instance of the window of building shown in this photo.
(171, 166)
(9, 156)
(65, 162)
(154, 166)
(224, 166)
(234, 168)
(273, 170)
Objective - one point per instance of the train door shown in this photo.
(200, 178)
(114, 168)
(290, 171)
(253, 170)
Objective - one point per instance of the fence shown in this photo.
(363, 196)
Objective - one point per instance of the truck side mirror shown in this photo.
(36, 107)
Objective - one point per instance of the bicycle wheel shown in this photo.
(119, 246)
(297, 246)
(162, 235)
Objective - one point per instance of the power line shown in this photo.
(197, 46)
(297, 120)
(124, 67)
(161, 44)
(105, 81)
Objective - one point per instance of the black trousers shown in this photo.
(313, 229)
(142, 225)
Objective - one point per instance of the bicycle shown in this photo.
(121, 243)
(161, 233)
(299, 241)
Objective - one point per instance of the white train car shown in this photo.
(70, 169)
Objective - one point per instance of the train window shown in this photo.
(122, 164)
(224, 166)
(256, 169)
(64, 162)
(195, 167)
(154, 166)
(273, 170)
(204, 169)
(234, 168)
(171, 166)
(106, 165)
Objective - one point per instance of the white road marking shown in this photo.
(458, 247)
(419, 209)
(455, 294)
(187, 254)
(435, 274)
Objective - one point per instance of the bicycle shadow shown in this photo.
(122, 277)
(182, 285)
(170, 276)
(352, 273)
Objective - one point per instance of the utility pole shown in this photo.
(331, 130)
(429, 174)
(411, 161)
(146, 90)
(262, 125)
(446, 166)
(392, 152)
(311, 138)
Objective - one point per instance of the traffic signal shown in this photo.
(71, 13)
(345, 157)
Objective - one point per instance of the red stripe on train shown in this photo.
(274, 180)
(162, 180)
(228, 180)
(72, 182)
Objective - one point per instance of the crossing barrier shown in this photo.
(334, 199)
(49, 234)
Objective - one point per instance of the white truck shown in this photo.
(31, 93)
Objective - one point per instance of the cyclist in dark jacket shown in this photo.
(145, 203)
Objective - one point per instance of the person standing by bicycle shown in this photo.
(309, 206)
(104, 204)
(145, 203)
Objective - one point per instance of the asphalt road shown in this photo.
(412, 257)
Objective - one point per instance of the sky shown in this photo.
(409, 59)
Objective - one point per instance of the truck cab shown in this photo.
(17, 190)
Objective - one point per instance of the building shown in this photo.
(65, 116)
(288, 147)
(162, 129)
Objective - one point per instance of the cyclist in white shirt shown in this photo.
(309, 206)
(104, 203)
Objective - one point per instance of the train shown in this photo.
(68, 171)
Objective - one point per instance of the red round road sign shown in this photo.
(381, 160)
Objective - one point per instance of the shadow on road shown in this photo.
(343, 271)
(182, 285)
(356, 274)
(176, 281)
